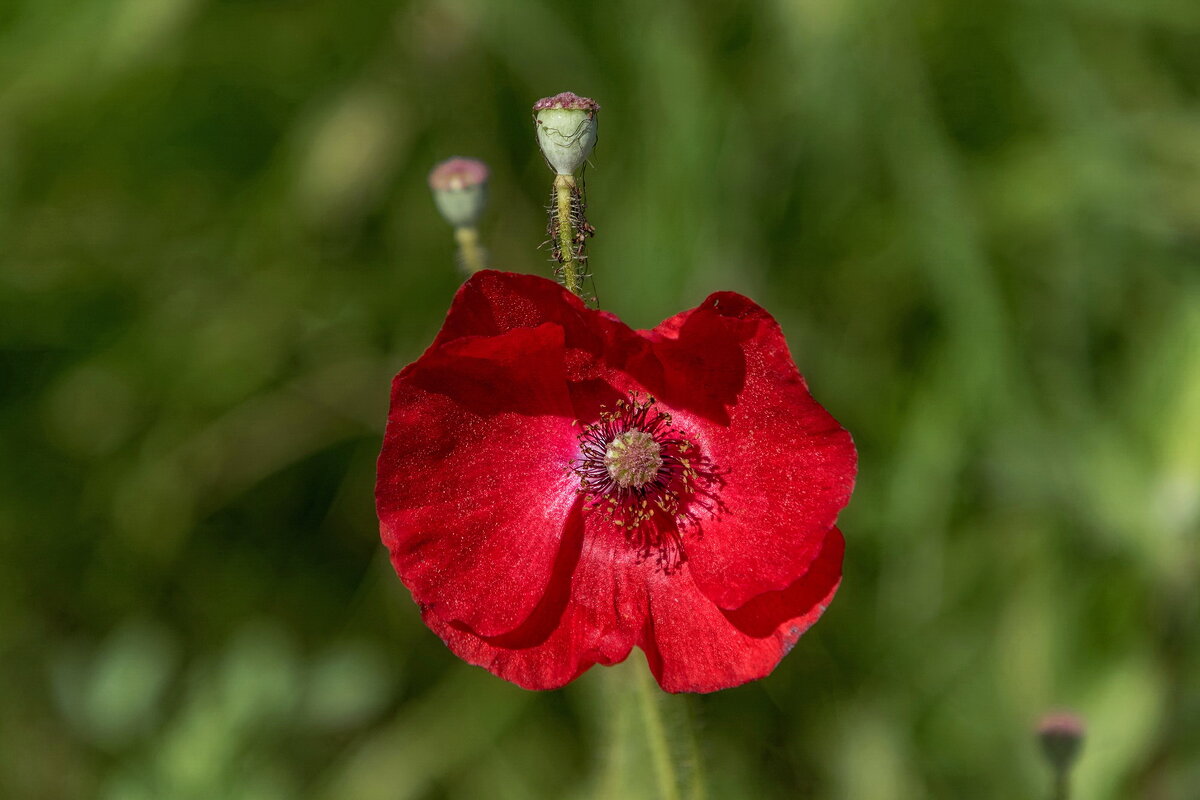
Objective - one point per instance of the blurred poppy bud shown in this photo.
(566, 130)
(460, 190)
(1061, 735)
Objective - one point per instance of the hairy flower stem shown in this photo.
(670, 733)
(1062, 785)
(653, 741)
(656, 735)
(471, 255)
(568, 231)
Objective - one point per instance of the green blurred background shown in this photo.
(979, 224)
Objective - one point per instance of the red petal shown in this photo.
(492, 302)
(474, 480)
(592, 614)
(786, 467)
(616, 601)
(479, 509)
(694, 647)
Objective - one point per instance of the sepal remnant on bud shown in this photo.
(460, 190)
(566, 130)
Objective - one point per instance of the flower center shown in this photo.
(633, 458)
(639, 470)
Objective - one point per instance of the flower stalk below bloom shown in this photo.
(653, 737)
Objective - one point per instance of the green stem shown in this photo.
(656, 735)
(696, 788)
(564, 186)
(471, 254)
(1062, 785)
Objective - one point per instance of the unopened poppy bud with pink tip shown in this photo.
(566, 130)
(460, 190)
(1061, 734)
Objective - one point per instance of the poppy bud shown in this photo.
(566, 130)
(460, 190)
(1061, 735)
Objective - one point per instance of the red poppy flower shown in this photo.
(556, 488)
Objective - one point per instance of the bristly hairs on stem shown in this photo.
(566, 132)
